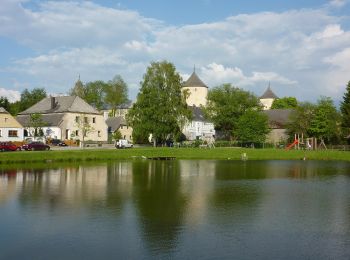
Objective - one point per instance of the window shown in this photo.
(77, 119)
(124, 137)
(121, 127)
(76, 133)
(94, 120)
(0, 133)
(99, 133)
(6, 119)
(13, 133)
(85, 120)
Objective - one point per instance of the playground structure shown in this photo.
(309, 144)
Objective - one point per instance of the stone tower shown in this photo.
(198, 91)
(267, 98)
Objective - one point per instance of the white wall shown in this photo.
(198, 128)
(197, 97)
(4, 135)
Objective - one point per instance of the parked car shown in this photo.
(58, 142)
(35, 146)
(9, 146)
(122, 143)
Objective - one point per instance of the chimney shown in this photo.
(53, 102)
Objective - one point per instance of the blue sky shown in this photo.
(301, 47)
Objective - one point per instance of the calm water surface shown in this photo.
(177, 209)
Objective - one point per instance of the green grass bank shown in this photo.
(180, 153)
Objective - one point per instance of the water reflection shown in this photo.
(180, 208)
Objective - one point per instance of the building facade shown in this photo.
(66, 118)
(10, 128)
(197, 91)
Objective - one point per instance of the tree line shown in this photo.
(161, 109)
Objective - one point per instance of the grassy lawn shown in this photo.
(179, 153)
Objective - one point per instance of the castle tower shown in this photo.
(198, 91)
(267, 98)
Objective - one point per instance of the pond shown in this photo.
(180, 209)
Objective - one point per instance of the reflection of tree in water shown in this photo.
(161, 206)
(119, 178)
(236, 194)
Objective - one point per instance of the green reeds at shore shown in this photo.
(178, 153)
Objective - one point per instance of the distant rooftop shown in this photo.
(60, 104)
(268, 94)
(3, 111)
(194, 81)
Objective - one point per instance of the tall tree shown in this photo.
(4, 102)
(116, 93)
(29, 98)
(78, 89)
(345, 111)
(284, 103)
(300, 119)
(226, 104)
(160, 108)
(324, 124)
(252, 126)
(94, 93)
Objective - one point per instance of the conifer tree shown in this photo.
(345, 111)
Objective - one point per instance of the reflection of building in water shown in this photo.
(197, 178)
(69, 185)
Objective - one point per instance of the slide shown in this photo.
(292, 144)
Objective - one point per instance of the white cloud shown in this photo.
(337, 3)
(217, 74)
(12, 95)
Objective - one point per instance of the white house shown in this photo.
(62, 118)
(10, 128)
(199, 127)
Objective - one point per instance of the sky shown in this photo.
(301, 48)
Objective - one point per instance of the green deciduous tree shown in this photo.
(160, 108)
(29, 98)
(78, 89)
(284, 103)
(36, 124)
(226, 104)
(4, 102)
(94, 93)
(252, 126)
(345, 111)
(116, 93)
(300, 119)
(325, 122)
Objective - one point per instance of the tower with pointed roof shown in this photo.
(197, 91)
(267, 98)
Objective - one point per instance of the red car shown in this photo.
(35, 146)
(9, 146)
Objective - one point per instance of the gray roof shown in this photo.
(3, 111)
(48, 119)
(268, 94)
(62, 104)
(194, 81)
(278, 118)
(197, 114)
(114, 123)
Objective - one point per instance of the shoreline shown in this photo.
(88, 155)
